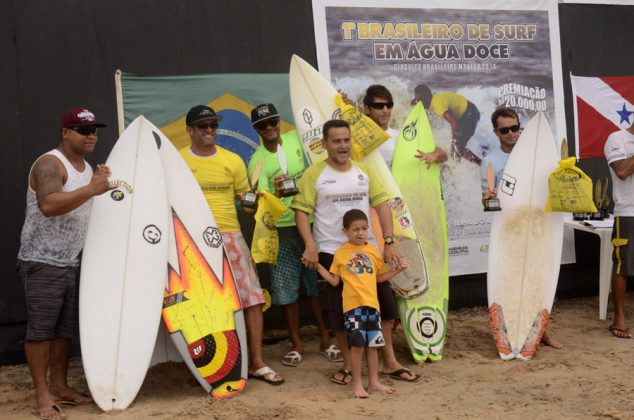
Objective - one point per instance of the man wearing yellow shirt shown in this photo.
(461, 114)
(222, 176)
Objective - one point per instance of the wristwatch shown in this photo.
(389, 240)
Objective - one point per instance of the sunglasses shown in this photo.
(204, 126)
(271, 122)
(380, 105)
(85, 131)
(505, 130)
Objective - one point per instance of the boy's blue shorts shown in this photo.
(363, 327)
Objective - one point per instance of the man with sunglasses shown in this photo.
(378, 104)
(506, 126)
(222, 176)
(282, 159)
(58, 200)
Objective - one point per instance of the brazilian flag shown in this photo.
(165, 100)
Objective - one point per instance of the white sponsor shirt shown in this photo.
(619, 146)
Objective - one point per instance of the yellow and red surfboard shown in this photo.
(201, 305)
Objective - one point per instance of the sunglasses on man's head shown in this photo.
(505, 130)
(85, 131)
(380, 105)
(204, 126)
(262, 125)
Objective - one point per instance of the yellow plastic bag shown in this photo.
(265, 244)
(366, 134)
(569, 189)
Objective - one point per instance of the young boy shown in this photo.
(360, 266)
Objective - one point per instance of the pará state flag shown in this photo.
(165, 100)
(602, 106)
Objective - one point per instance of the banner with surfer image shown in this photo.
(465, 59)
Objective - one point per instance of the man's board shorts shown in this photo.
(243, 268)
(622, 237)
(289, 272)
(363, 327)
(331, 300)
(51, 300)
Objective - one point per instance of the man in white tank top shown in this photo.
(61, 186)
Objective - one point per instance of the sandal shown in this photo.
(292, 358)
(623, 333)
(344, 379)
(333, 353)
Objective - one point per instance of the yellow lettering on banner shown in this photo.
(515, 32)
(478, 31)
(348, 28)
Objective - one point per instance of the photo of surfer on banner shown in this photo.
(461, 114)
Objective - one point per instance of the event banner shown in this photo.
(473, 56)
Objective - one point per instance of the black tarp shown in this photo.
(61, 54)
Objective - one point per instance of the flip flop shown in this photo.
(333, 353)
(52, 412)
(346, 377)
(621, 333)
(397, 375)
(292, 358)
(267, 375)
(80, 399)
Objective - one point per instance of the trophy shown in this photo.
(287, 187)
(492, 203)
(250, 198)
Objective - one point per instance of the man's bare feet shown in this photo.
(381, 388)
(547, 340)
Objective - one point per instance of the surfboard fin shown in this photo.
(500, 334)
(534, 336)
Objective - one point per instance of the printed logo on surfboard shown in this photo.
(212, 237)
(121, 184)
(426, 325)
(152, 234)
(309, 118)
(508, 184)
(117, 195)
(409, 131)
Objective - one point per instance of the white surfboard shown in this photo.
(201, 306)
(525, 245)
(313, 103)
(123, 271)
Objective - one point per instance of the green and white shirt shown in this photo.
(328, 194)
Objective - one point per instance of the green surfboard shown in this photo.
(424, 318)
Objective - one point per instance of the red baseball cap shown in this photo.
(79, 117)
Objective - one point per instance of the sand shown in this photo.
(591, 377)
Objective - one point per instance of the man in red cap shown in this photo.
(58, 200)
